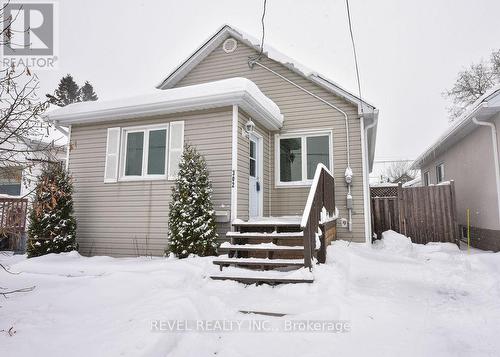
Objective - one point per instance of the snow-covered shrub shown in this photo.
(192, 226)
(52, 225)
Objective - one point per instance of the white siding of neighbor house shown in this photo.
(470, 164)
(131, 218)
(301, 112)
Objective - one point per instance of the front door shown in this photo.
(255, 177)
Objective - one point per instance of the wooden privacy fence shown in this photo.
(425, 214)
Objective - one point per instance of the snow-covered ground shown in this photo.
(399, 300)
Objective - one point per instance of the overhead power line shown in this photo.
(355, 54)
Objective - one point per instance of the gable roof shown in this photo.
(483, 108)
(227, 31)
(369, 111)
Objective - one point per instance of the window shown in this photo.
(440, 173)
(10, 180)
(299, 155)
(253, 160)
(427, 178)
(150, 152)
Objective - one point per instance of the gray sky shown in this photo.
(409, 51)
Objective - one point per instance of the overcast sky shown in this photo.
(409, 51)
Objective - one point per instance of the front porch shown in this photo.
(282, 249)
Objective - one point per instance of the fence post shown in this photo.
(454, 213)
(402, 224)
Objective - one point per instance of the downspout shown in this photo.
(68, 147)
(366, 169)
(348, 171)
(494, 139)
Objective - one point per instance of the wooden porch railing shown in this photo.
(321, 195)
(13, 218)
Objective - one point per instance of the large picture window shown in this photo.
(298, 156)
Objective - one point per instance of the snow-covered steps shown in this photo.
(258, 262)
(267, 277)
(262, 247)
(264, 243)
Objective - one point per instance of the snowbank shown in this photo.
(400, 300)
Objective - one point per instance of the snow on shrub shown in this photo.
(192, 226)
(52, 225)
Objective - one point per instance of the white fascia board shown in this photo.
(194, 58)
(242, 98)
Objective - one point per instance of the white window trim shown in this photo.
(302, 135)
(145, 152)
(428, 178)
(437, 178)
(169, 149)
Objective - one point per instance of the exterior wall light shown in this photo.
(249, 128)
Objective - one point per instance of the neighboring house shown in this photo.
(18, 179)
(416, 182)
(468, 154)
(404, 178)
(262, 126)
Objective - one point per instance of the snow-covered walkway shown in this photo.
(399, 299)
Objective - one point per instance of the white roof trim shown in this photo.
(486, 106)
(239, 91)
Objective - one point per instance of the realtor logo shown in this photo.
(33, 30)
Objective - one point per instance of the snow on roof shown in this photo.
(460, 125)
(226, 92)
(415, 182)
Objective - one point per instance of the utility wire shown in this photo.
(355, 54)
(253, 59)
(263, 28)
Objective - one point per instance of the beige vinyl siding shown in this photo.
(244, 167)
(131, 218)
(301, 111)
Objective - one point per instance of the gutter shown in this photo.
(244, 99)
(61, 129)
(494, 145)
(417, 164)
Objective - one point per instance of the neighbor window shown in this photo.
(299, 155)
(440, 173)
(149, 152)
(427, 178)
(10, 180)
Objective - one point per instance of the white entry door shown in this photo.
(255, 177)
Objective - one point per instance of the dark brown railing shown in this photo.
(322, 194)
(13, 218)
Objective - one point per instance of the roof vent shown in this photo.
(229, 45)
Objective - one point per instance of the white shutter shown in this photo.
(175, 148)
(112, 155)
